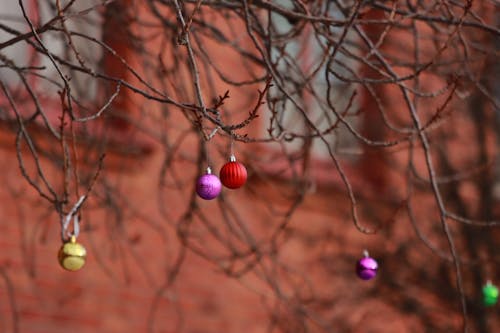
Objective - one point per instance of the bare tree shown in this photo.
(393, 104)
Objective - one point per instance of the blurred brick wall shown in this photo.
(120, 289)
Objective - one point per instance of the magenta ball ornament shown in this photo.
(366, 268)
(208, 186)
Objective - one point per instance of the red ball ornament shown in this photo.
(233, 174)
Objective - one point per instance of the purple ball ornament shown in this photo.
(366, 267)
(208, 186)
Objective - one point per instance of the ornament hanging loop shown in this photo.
(66, 221)
(66, 234)
(231, 145)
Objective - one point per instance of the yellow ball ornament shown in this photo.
(72, 255)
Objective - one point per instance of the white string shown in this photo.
(76, 222)
(231, 145)
(76, 226)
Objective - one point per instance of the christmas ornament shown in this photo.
(233, 174)
(490, 294)
(366, 267)
(208, 186)
(72, 255)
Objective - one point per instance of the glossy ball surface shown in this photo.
(366, 268)
(208, 186)
(72, 255)
(233, 175)
(490, 294)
